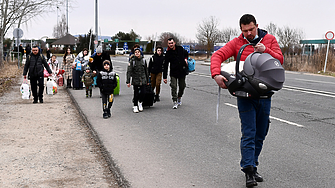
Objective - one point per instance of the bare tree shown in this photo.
(208, 33)
(288, 37)
(61, 28)
(17, 12)
(166, 35)
(272, 29)
(225, 35)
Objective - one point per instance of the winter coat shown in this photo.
(233, 46)
(28, 50)
(54, 66)
(83, 60)
(35, 66)
(156, 64)
(107, 81)
(67, 66)
(97, 65)
(88, 78)
(176, 59)
(138, 72)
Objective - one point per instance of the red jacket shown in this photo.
(233, 46)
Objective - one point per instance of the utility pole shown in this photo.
(96, 24)
(57, 31)
(67, 16)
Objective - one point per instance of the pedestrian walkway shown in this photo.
(48, 145)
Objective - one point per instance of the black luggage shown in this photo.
(149, 96)
(76, 79)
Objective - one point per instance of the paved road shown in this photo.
(185, 147)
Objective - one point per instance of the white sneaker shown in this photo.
(175, 105)
(179, 101)
(135, 109)
(140, 107)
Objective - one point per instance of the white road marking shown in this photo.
(271, 117)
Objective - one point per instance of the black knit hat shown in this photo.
(106, 62)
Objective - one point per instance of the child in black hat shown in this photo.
(107, 82)
(88, 79)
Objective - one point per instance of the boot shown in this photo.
(249, 175)
(68, 83)
(157, 98)
(257, 176)
(109, 112)
(105, 115)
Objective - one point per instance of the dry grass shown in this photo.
(9, 73)
(312, 64)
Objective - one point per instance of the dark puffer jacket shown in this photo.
(34, 66)
(107, 82)
(176, 59)
(97, 65)
(138, 71)
(156, 64)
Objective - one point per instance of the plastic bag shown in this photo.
(46, 74)
(25, 89)
(78, 65)
(51, 87)
(191, 64)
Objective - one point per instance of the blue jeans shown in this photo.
(254, 115)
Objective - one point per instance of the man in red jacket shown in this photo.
(254, 113)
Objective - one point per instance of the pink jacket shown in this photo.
(233, 46)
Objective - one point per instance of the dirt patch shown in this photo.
(46, 145)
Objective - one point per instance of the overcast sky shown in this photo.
(149, 17)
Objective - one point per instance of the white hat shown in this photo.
(99, 49)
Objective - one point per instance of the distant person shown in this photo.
(98, 59)
(107, 83)
(137, 73)
(78, 72)
(68, 60)
(88, 79)
(5, 51)
(21, 50)
(253, 113)
(176, 57)
(28, 49)
(54, 66)
(34, 67)
(155, 70)
(132, 51)
(48, 54)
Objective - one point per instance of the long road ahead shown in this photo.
(186, 147)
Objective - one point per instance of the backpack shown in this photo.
(28, 58)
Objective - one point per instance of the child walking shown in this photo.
(88, 80)
(107, 82)
(138, 71)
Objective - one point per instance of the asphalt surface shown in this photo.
(186, 147)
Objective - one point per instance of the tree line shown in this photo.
(208, 33)
(18, 12)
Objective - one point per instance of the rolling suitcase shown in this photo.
(76, 79)
(149, 96)
(117, 89)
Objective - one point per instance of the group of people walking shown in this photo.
(139, 74)
(253, 112)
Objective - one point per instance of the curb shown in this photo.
(121, 180)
